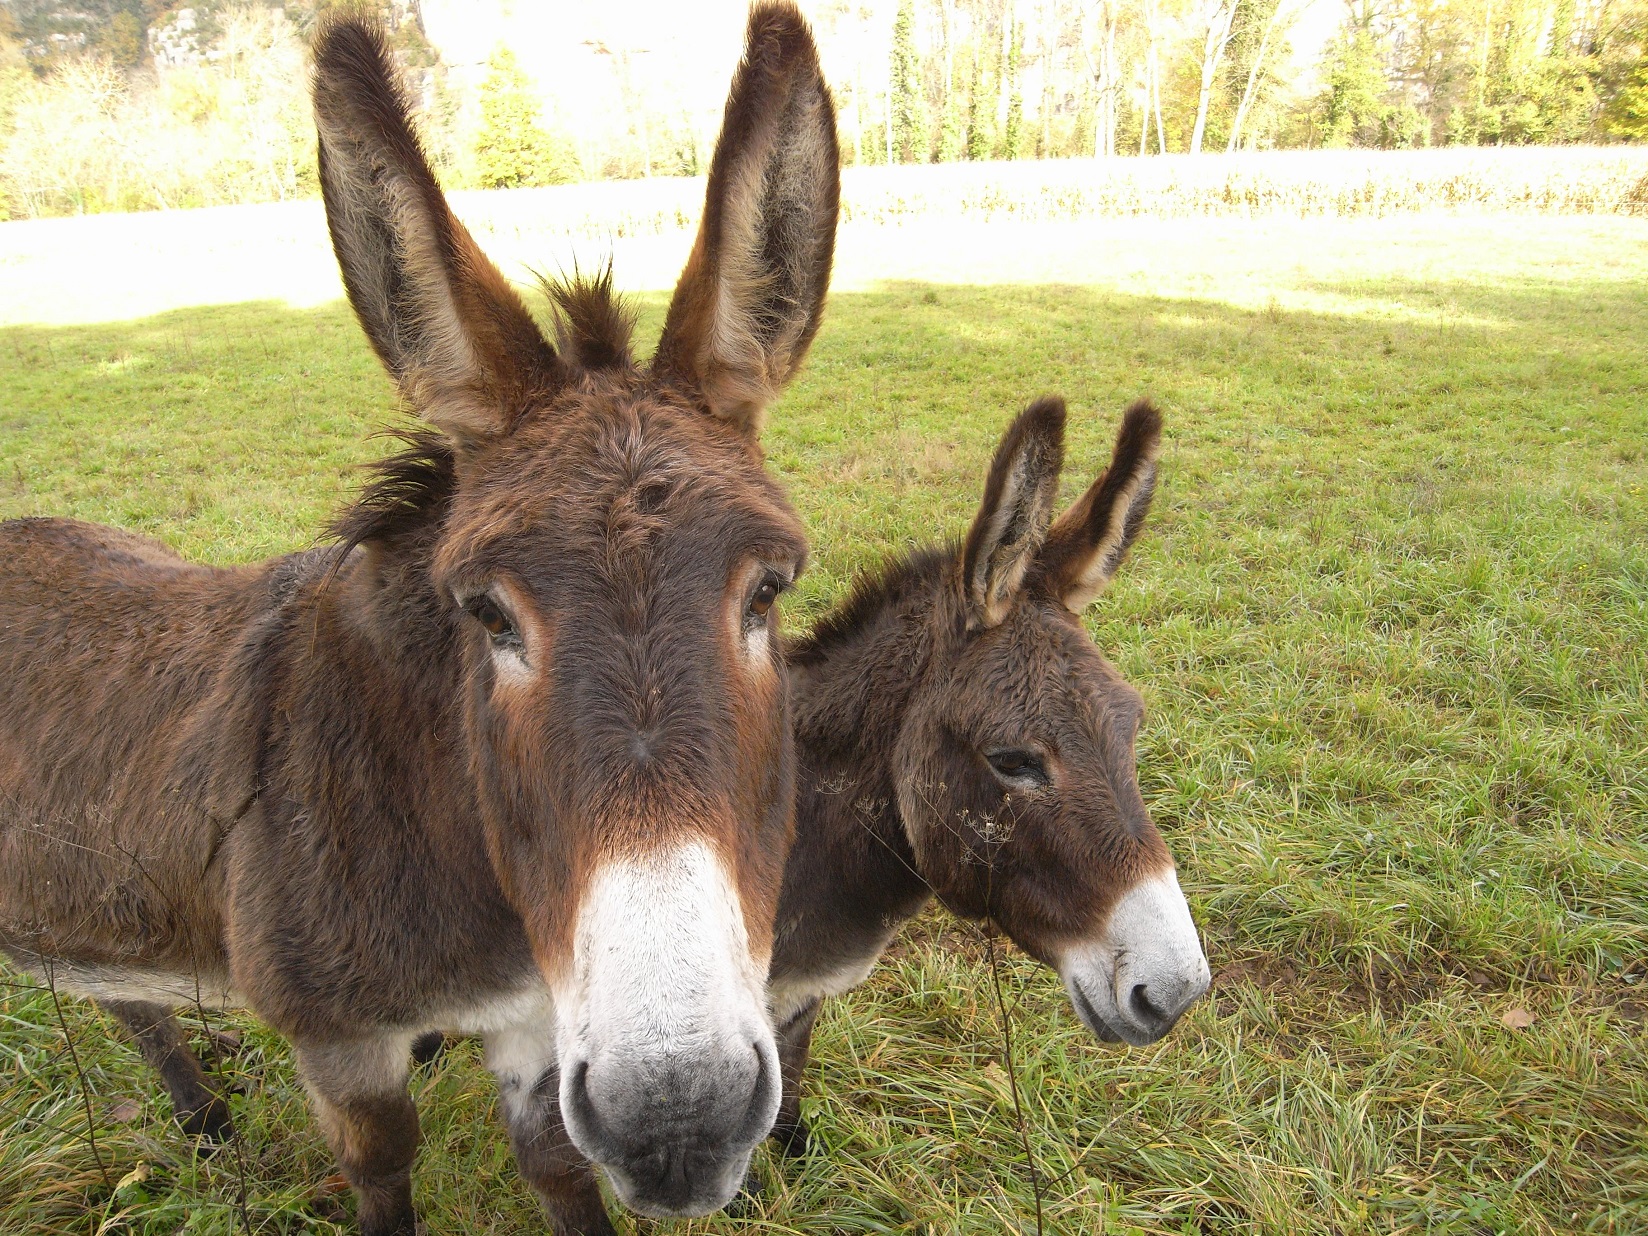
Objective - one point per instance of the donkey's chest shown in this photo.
(492, 1013)
(790, 993)
(825, 955)
(827, 943)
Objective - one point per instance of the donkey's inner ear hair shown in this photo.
(752, 294)
(1086, 546)
(1012, 520)
(447, 325)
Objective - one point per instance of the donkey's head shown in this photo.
(610, 553)
(1016, 767)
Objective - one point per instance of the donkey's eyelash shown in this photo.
(1017, 766)
(500, 627)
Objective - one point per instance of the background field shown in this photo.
(1389, 618)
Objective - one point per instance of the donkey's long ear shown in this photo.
(1012, 519)
(1090, 540)
(446, 324)
(752, 293)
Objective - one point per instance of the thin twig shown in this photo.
(85, 1087)
(241, 1205)
(1013, 1075)
(223, 1093)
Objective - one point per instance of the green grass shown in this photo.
(1391, 621)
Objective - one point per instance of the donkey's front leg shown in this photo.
(523, 1061)
(795, 1043)
(199, 1108)
(359, 1092)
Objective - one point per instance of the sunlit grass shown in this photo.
(1288, 227)
(1390, 619)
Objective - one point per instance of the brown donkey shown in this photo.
(959, 735)
(513, 758)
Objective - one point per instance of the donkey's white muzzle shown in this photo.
(1144, 969)
(669, 1071)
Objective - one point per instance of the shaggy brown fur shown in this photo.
(308, 786)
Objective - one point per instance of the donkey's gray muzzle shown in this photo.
(674, 1136)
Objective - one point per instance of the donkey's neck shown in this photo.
(851, 880)
(364, 757)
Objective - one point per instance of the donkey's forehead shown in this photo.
(609, 462)
(1041, 661)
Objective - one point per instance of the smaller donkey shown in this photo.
(959, 735)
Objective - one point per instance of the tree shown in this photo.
(1013, 130)
(1106, 81)
(511, 149)
(1628, 115)
(1152, 72)
(123, 39)
(978, 115)
(908, 107)
(14, 81)
(1217, 16)
(1282, 12)
(1355, 88)
(952, 136)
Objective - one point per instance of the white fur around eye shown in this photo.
(510, 665)
(509, 660)
(755, 634)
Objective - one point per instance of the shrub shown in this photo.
(1628, 114)
(512, 150)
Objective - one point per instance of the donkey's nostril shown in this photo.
(575, 1095)
(1139, 1005)
(762, 1108)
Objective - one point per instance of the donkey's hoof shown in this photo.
(427, 1048)
(210, 1123)
(793, 1140)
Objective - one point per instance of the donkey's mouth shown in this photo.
(1090, 1016)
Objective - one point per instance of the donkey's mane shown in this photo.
(405, 491)
(915, 574)
(592, 331)
(592, 323)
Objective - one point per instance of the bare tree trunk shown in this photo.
(889, 107)
(1004, 87)
(858, 111)
(1156, 77)
(1220, 18)
(1104, 78)
(1049, 44)
(1112, 80)
(949, 50)
(1153, 77)
(1482, 73)
(1252, 86)
(1144, 114)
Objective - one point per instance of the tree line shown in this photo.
(1007, 79)
(135, 104)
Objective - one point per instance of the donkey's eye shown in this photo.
(1020, 767)
(761, 600)
(487, 612)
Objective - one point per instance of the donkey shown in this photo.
(959, 735)
(513, 756)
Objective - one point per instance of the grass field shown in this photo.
(1391, 621)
